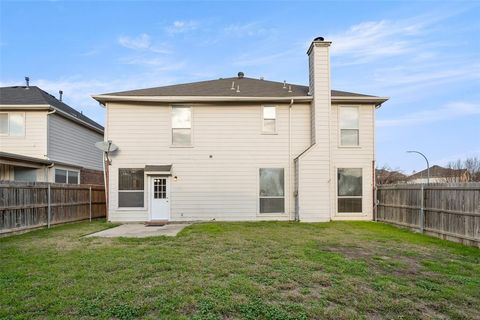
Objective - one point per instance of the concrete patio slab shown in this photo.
(136, 230)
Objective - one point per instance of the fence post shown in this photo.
(49, 210)
(422, 211)
(90, 197)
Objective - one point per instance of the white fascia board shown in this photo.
(108, 98)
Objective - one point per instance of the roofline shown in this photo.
(51, 108)
(14, 157)
(109, 98)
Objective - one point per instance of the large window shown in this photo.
(269, 124)
(12, 123)
(67, 176)
(272, 193)
(349, 190)
(181, 126)
(130, 188)
(349, 132)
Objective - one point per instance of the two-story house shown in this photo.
(243, 149)
(43, 139)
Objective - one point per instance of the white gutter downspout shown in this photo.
(48, 133)
(290, 193)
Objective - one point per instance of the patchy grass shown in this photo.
(267, 270)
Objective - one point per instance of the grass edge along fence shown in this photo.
(448, 211)
(31, 205)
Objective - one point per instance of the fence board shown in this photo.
(451, 211)
(24, 205)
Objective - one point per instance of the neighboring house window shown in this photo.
(349, 190)
(25, 174)
(269, 124)
(67, 176)
(272, 194)
(12, 123)
(349, 129)
(130, 188)
(181, 126)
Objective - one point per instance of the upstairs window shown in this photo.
(272, 190)
(130, 188)
(269, 119)
(349, 127)
(181, 126)
(12, 123)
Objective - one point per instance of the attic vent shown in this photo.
(241, 75)
(60, 93)
(27, 81)
(319, 39)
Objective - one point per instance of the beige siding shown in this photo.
(355, 157)
(224, 187)
(72, 143)
(314, 165)
(34, 143)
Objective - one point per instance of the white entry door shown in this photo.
(159, 198)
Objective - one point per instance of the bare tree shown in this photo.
(385, 175)
(465, 170)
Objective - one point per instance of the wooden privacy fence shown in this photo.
(25, 205)
(448, 211)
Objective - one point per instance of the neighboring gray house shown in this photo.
(243, 149)
(43, 139)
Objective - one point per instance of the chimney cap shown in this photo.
(241, 75)
(319, 39)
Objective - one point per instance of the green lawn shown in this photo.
(268, 270)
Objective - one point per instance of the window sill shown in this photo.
(270, 133)
(174, 146)
(349, 147)
(273, 214)
(130, 209)
(350, 214)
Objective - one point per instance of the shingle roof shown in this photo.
(438, 172)
(248, 87)
(21, 95)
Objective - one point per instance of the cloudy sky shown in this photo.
(424, 55)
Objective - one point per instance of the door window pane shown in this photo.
(17, 124)
(272, 205)
(60, 176)
(347, 205)
(3, 123)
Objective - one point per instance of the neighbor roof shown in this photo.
(438, 172)
(32, 95)
(224, 87)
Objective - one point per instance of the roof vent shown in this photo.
(238, 88)
(241, 75)
(261, 78)
(60, 93)
(27, 80)
(284, 84)
(289, 88)
(233, 85)
(319, 39)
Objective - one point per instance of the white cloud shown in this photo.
(247, 30)
(447, 112)
(160, 64)
(142, 41)
(181, 26)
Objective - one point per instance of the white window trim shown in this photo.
(276, 119)
(342, 214)
(266, 214)
(8, 113)
(145, 190)
(340, 145)
(191, 145)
